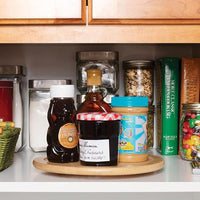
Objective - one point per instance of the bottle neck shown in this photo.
(93, 89)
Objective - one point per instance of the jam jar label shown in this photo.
(133, 136)
(68, 136)
(94, 150)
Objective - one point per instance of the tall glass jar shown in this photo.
(190, 131)
(139, 76)
(106, 61)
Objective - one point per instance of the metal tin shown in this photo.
(11, 70)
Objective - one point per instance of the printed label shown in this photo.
(94, 150)
(133, 136)
(68, 136)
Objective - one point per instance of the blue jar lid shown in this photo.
(129, 101)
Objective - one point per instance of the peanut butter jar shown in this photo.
(133, 134)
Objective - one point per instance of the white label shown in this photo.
(94, 150)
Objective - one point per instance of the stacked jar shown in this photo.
(107, 62)
(190, 131)
(139, 82)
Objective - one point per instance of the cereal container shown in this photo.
(139, 75)
(190, 131)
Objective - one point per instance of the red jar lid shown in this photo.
(99, 116)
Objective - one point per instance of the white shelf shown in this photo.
(22, 176)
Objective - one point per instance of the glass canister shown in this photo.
(106, 61)
(139, 77)
(39, 100)
(150, 126)
(190, 131)
(11, 103)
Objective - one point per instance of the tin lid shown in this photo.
(129, 101)
(46, 84)
(62, 91)
(97, 55)
(11, 71)
(132, 64)
(191, 106)
(98, 116)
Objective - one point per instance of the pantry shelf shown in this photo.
(22, 176)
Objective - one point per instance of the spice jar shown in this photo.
(190, 131)
(138, 76)
(150, 126)
(133, 136)
(98, 140)
(39, 96)
(11, 109)
(106, 61)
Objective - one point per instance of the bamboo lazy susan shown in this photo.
(153, 163)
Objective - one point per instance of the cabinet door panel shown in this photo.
(144, 11)
(42, 11)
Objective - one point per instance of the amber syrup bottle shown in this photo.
(62, 135)
(94, 97)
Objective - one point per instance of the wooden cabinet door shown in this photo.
(42, 11)
(144, 11)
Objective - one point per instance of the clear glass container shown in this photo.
(39, 100)
(189, 143)
(139, 77)
(150, 126)
(11, 101)
(106, 61)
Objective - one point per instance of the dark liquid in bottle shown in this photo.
(94, 103)
(61, 117)
(101, 130)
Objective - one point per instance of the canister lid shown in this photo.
(127, 64)
(62, 91)
(11, 71)
(191, 106)
(97, 55)
(46, 84)
(129, 101)
(99, 116)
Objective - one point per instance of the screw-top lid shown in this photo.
(59, 91)
(129, 101)
(99, 116)
(132, 64)
(191, 106)
(94, 77)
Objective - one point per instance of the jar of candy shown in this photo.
(190, 131)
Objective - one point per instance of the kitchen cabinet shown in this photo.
(144, 12)
(42, 12)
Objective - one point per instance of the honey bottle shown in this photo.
(62, 135)
(94, 97)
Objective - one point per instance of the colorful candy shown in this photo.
(190, 132)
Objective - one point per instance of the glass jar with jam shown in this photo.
(98, 139)
(190, 131)
(62, 136)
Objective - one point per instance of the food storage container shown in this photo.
(11, 109)
(133, 136)
(189, 142)
(139, 77)
(150, 126)
(39, 99)
(107, 61)
(98, 140)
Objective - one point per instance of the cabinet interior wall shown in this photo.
(58, 61)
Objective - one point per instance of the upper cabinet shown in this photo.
(42, 12)
(144, 11)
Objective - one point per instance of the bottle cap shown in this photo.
(62, 91)
(94, 77)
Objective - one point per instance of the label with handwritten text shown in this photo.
(94, 150)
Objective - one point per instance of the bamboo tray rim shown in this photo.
(154, 163)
